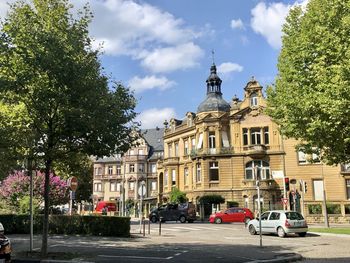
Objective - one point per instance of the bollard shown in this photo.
(144, 225)
(160, 226)
(149, 227)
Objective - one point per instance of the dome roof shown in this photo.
(213, 102)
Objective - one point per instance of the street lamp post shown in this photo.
(257, 178)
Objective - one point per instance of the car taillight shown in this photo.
(286, 224)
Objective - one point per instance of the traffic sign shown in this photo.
(284, 201)
(142, 190)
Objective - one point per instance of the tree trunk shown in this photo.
(46, 208)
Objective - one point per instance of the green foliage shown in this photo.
(23, 205)
(212, 199)
(69, 225)
(176, 196)
(48, 67)
(333, 209)
(311, 96)
(315, 209)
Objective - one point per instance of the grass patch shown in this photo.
(337, 230)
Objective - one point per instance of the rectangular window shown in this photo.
(213, 171)
(200, 141)
(198, 173)
(255, 136)
(131, 152)
(113, 186)
(153, 168)
(186, 148)
(119, 171)
(153, 186)
(176, 149)
(193, 144)
(141, 167)
(110, 170)
(266, 135)
(318, 190)
(347, 182)
(186, 176)
(245, 136)
(212, 140)
(173, 177)
(169, 150)
(166, 176)
(301, 157)
(98, 187)
(118, 187)
(131, 168)
(131, 186)
(225, 142)
(140, 151)
(99, 170)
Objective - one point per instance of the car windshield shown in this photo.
(294, 216)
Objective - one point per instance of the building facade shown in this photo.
(223, 147)
(123, 175)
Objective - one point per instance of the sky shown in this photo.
(163, 49)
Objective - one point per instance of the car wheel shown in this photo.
(246, 220)
(182, 219)
(218, 220)
(280, 232)
(252, 230)
(302, 234)
(153, 219)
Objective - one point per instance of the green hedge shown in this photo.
(315, 209)
(69, 225)
(333, 209)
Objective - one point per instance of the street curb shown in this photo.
(279, 260)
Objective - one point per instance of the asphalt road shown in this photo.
(196, 242)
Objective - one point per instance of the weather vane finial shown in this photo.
(212, 55)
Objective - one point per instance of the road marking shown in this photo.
(136, 257)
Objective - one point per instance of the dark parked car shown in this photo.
(174, 212)
(233, 214)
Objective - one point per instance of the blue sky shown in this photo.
(162, 49)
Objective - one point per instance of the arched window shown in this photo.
(253, 100)
(257, 169)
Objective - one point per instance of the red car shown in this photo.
(233, 214)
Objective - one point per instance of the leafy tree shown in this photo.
(15, 188)
(48, 65)
(177, 196)
(311, 96)
(211, 199)
(80, 166)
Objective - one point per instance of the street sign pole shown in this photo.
(259, 203)
(141, 192)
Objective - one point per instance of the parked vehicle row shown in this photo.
(234, 214)
(279, 222)
(174, 212)
(5, 246)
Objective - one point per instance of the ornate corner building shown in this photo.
(223, 147)
(122, 175)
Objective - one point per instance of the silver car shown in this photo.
(279, 222)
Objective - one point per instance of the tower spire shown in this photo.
(213, 56)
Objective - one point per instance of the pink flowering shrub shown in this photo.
(16, 186)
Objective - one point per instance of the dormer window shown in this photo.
(254, 100)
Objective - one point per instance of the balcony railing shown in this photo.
(211, 151)
(134, 158)
(107, 176)
(170, 160)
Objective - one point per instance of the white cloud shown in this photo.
(237, 24)
(229, 67)
(155, 117)
(150, 82)
(172, 58)
(267, 20)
